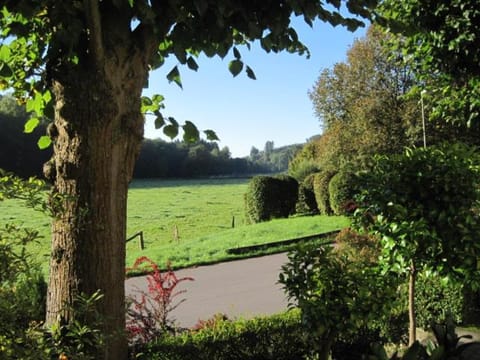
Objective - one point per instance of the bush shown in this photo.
(306, 203)
(338, 296)
(270, 197)
(342, 188)
(437, 300)
(278, 337)
(300, 169)
(320, 189)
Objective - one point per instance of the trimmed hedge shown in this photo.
(278, 337)
(270, 197)
(320, 189)
(341, 189)
(306, 203)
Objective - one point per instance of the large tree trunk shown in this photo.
(97, 134)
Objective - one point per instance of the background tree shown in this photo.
(19, 151)
(441, 39)
(84, 64)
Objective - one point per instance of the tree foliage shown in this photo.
(19, 151)
(423, 205)
(441, 40)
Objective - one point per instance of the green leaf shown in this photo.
(171, 131)
(5, 53)
(190, 132)
(173, 121)
(250, 73)
(157, 98)
(5, 71)
(211, 135)
(192, 64)
(159, 121)
(236, 53)
(235, 67)
(44, 142)
(36, 104)
(30, 125)
(174, 75)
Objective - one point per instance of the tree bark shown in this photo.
(97, 135)
(412, 327)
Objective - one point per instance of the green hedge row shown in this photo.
(270, 197)
(278, 337)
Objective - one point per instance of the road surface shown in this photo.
(242, 288)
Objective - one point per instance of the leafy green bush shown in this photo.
(306, 203)
(437, 300)
(278, 337)
(320, 189)
(300, 169)
(338, 295)
(270, 197)
(341, 188)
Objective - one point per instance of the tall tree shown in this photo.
(442, 40)
(85, 63)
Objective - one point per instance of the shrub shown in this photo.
(341, 189)
(300, 169)
(147, 315)
(320, 189)
(437, 300)
(337, 295)
(306, 203)
(278, 337)
(270, 197)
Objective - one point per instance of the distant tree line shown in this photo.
(20, 154)
(163, 159)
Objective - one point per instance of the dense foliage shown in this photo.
(423, 205)
(320, 190)
(270, 197)
(339, 293)
(306, 203)
(19, 153)
(279, 337)
(161, 159)
(440, 39)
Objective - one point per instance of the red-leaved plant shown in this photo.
(147, 313)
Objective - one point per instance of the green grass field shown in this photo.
(200, 210)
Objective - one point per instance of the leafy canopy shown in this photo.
(39, 36)
(423, 204)
(441, 39)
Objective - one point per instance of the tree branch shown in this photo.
(94, 25)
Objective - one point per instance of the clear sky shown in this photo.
(245, 112)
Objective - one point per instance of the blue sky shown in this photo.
(245, 112)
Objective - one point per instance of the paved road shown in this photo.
(244, 288)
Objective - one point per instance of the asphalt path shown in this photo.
(242, 288)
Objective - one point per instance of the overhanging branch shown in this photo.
(94, 25)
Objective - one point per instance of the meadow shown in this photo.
(184, 222)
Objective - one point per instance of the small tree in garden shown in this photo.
(422, 206)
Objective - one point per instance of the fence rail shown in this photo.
(139, 234)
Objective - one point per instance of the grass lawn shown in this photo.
(200, 210)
